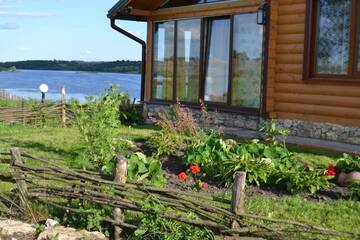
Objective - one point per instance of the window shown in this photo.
(333, 40)
(217, 59)
(188, 60)
(247, 62)
(162, 86)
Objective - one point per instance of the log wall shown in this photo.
(289, 96)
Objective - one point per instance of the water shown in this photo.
(25, 83)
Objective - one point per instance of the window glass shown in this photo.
(333, 41)
(188, 60)
(162, 85)
(217, 59)
(247, 61)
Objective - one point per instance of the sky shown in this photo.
(64, 30)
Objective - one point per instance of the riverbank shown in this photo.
(8, 69)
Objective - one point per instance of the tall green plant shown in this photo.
(97, 121)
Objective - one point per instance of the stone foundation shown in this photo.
(298, 128)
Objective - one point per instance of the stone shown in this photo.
(62, 233)
(51, 223)
(16, 230)
(346, 179)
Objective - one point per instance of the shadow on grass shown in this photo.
(42, 148)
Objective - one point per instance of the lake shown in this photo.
(25, 83)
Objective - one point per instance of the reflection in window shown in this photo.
(162, 85)
(217, 72)
(188, 60)
(246, 60)
(334, 19)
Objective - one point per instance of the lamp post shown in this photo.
(43, 89)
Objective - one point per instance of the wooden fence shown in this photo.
(52, 185)
(7, 96)
(27, 112)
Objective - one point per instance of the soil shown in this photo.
(173, 165)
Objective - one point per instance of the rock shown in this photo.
(346, 179)
(62, 233)
(51, 223)
(15, 230)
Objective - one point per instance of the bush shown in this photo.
(178, 130)
(97, 122)
(348, 163)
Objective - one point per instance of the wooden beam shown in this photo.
(204, 10)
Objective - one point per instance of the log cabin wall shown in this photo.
(289, 95)
(320, 110)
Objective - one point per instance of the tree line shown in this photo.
(123, 66)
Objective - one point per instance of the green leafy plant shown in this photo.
(264, 163)
(273, 133)
(348, 163)
(145, 169)
(97, 122)
(178, 130)
(153, 226)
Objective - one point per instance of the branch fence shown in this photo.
(57, 186)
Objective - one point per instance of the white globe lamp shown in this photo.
(43, 89)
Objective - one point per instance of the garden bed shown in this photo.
(172, 166)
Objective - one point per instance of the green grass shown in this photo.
(339, 215)
(65, 143)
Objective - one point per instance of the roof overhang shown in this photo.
(137, 10)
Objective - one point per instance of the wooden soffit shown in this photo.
(150, 10)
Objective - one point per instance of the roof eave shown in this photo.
(113, 12)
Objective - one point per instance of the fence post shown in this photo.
(23, 111)
(63, 105)
(120, 178)
(19, 177)
(238, 196)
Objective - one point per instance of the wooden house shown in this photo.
(296, 61)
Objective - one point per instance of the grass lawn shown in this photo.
(64, 143)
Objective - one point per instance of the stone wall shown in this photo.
(233, 121)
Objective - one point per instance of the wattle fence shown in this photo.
(35, 114)
(57, 186)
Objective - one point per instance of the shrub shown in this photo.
(97, 122)
(178, 130)
(348, 163)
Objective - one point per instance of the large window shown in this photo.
(247, 61)
(162, 86)
(216, 59)
(333, 44)
(188, 60)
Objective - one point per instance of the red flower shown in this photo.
(194, 169)
(331, 167)
(329, 173)
(204, 186)
(182, 176)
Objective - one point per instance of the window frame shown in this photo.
(228, 107)
(310, 48)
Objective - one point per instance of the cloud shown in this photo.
(9, 26)
(25, 14)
